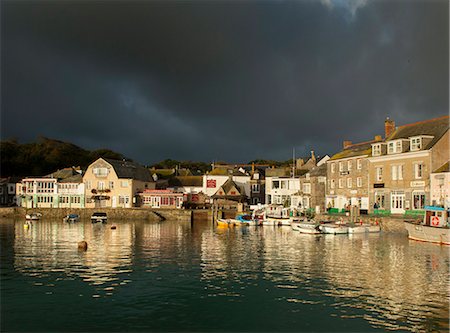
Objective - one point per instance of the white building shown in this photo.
(440, 186)
(217, 177)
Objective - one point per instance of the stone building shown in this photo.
(347, 181)
(400, 166)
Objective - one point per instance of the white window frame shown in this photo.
(333, 167)
(359, 164)
(415, 143)
(349, 165)
(341, 166)
(341, 183)
(379, 174)
(359, 181)
(307, 188)
(376, 150)
(349, 183)
(332, 183)
(255, 188)
(418, 170)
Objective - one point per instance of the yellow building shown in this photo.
(115, 183)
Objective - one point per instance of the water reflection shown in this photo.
(50, 247)
(387, 280)
(380, 280)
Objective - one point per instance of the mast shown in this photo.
(293, 162)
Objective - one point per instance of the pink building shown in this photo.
(162, 199)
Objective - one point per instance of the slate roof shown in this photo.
(218, 171)
(357, 149)
(130, 170)
(78, 178)
(228, 185)
(318, 171)
(186, 181)
(63, 173)
(435, 127)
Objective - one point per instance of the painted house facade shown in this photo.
(401, 165)
(161, 199)
(218, 176)
(115, 183)
(440, 187)
(60, 189)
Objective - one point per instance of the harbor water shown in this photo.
(174, 276)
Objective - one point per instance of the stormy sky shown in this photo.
(220, 80)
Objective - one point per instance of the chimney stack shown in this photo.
(389, 127)
(313, 157)
(378, 138)
(347, 144)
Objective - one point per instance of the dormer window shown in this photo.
(395, 147)
(376, 150)
(416, 143)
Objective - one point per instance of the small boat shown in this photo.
(306, 227)
(334, 228)
(99, 217)
(33, 216)
(433, 228)
(71, 218)
(240, 220)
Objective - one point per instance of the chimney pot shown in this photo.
(378, 138)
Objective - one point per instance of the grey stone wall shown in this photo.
(113, 213)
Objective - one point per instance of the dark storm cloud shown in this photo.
(220, 80)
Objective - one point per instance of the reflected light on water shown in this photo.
(381, 280)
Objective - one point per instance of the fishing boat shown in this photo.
(334, 228)
(71, 218)
(99, 217)
(306, 227)
(433, 228)
(33, 216)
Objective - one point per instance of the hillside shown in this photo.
(45, 156)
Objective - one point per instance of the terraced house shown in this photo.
(347, 177)
(400, 166)
(115, 183)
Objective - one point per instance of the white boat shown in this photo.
(306, 227)
(433, 228)
(357, 229)
(373, 228)
(334, 228)
(71, 218)
(99, 217)
(33, 216)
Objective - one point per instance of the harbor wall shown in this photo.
(113, 213)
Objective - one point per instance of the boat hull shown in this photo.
(425, 233)
(306, 228)
(334, 229)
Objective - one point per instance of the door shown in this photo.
(397, 202)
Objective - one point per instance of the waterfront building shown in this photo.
(191, 187)
(8, 191)
(161, 199)
(213, 180)
(401, 165)
(312, 188)
(281, 186)
(440, 186)
(116, 183)
(61, 189)
(229, 194)
(347, 181)
(257, 186)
